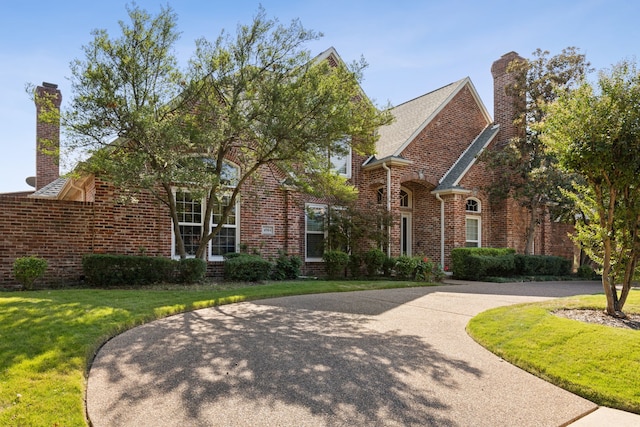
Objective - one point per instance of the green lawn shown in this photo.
(49, 337)
(597, 362)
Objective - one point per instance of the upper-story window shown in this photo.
(340, 157)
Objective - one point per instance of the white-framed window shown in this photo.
(315, 231)
(191, 212)
(405, 198)
(473, 223)
(340, 159)
(227, 239)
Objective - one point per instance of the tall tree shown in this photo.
(256, 99)
(596, 133)
(526, 172)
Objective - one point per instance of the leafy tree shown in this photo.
(525, 170)
(256, 99)
(596, 133)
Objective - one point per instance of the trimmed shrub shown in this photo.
(28, 269)
(543, 265)
(335, 262)
(191, 270)
(286, 267)
(460, 260)
(480, 266)
(246, 268)
(374, 260)
(126, 270)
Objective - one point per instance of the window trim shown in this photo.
(478, 242)
(478, 205)
(324, 231)
(209, 255)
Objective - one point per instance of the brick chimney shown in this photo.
(47, 98)
(504, 108)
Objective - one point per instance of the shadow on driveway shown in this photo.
(308, 360)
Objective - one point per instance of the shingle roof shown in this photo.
(51, 190)
(453, 176)
(411, 117)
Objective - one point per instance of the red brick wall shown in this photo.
(61, 232)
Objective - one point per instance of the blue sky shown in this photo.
(412, 47)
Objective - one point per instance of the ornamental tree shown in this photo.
(255, 98)
(595, 131)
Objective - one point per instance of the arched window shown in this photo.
(473, 224)
(473, 205)
(405, 199)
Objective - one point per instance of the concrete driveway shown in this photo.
(396, 357)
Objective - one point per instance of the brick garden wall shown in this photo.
(60, 232)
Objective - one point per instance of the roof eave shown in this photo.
(374, 163)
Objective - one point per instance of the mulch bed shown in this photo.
(601, 318)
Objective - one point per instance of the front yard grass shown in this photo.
(49, 337)
(600, 363)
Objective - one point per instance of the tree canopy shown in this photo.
(595, 131)
(256, 100)
(526, 171)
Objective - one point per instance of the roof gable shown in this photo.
(413, 116)
(454, 175)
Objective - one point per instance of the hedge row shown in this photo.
(242, 267)
(118, 270)
(376, 262)
(478, 263)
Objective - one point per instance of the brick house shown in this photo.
(425, 172)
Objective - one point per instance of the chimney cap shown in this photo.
(49, 85)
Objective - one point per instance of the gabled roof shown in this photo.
(451, 179)
(413, 116)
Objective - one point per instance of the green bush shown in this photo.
(286, 267)
(355, 265)
(126, 270)
(28, 269)
(335, 263)
(406, 267)
(191, 270)
(480, 266)
(460, 264)
(543, 265)
(246, 268)
(388, 266)
(374, 260)
(586, 272)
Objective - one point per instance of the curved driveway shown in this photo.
(395, 357)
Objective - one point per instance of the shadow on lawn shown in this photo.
(234, 365)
